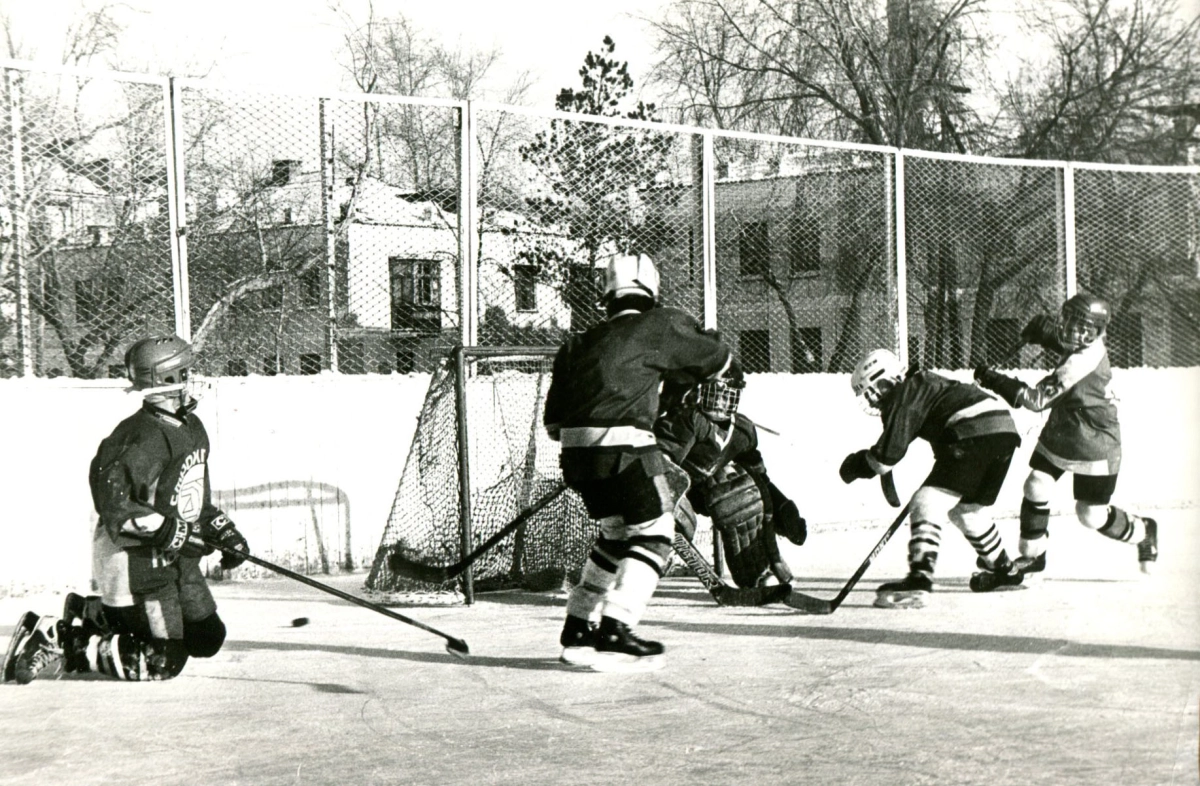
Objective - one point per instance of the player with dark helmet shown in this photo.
(150, 487)
(717, 446)
(973, 438)
(601, 406)
(1082, 434)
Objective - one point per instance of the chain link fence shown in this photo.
(370, 234)
(85, 252)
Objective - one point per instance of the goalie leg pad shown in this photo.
(738, 514)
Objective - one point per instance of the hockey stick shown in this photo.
(721, 592)
(888, 484)
(798, 600)
(437, 574)
(454, 646)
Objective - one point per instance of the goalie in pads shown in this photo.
(717, 446)
(150, 486)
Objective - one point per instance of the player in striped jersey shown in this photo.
(973, 437)
(601, 406)
(1082, 434)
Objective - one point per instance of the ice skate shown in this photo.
(41, 650)
(907, 594)
(1002, 576)
(578, 641)
(619, 649)
(1148, 548)
(1032, 568)
(20, 635)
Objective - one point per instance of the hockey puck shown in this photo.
(299, 622)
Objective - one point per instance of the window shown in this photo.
(310, 288)
(805, 247)
(416, 294)
(754, 350)
(310, 363)
(236, 367)
(270, 365)
(93, 299)
(405, 360)
(525, 287)
(806, 350)
(351, 359)
(754, 249)
(271, 298)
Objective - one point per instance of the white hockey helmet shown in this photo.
(879, 366)
(630, 275)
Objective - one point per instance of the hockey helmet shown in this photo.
(160, 364)
(1084, 319)
(630, 275)
(718, 398)
(874, 376)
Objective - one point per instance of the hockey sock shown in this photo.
(987, 545)
(1035, 519)
(599, 573)
(1122, 526)
(923, 547)
(631, 592)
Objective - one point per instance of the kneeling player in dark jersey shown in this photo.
(973, 439)
(150, 486)
(1082, 434)
(601, 405)
(717, 446)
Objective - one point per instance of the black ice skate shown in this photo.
(20, 635)
(1004, 575)
(40, 651)
(1148, 548)
(1031, 568)
(578, 641)
(619, 649)
(907, 594)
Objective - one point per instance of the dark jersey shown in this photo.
(702, 447)
(604, 391)
(153, 465)
(941, 411)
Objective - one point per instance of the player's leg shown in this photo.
(598, 574)
(1035, 514)
(928, 512)
(203, 629)
(1092, 496)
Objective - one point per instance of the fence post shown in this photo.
(177, 210)
(901, 264)
(327, 218)
(468, 279)
(20, 226)
(1067, 217)
(708, 231)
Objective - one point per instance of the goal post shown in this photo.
(479, 457)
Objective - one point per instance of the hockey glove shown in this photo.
(173, 535)
(220, 530)
(1007, 387)
(856, 467)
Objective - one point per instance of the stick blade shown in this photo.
(458, 648)
(431, 574)
(808, 604)
(751, 596)
(888, 484)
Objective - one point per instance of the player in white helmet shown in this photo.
(973, 438)
(150, 486)
(601, 405)
(1082, 434)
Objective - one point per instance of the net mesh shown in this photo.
(510, 465)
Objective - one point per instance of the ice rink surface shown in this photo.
(1092, 677)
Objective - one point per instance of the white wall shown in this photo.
(282, 445)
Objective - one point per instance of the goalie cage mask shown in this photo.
(1083, 319)
(719, 398)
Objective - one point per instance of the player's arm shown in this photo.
(552, 414)
(906, 414)
(123, 490)
(688, 353)
(1050, 388)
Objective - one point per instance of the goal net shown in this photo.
(479, 457)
